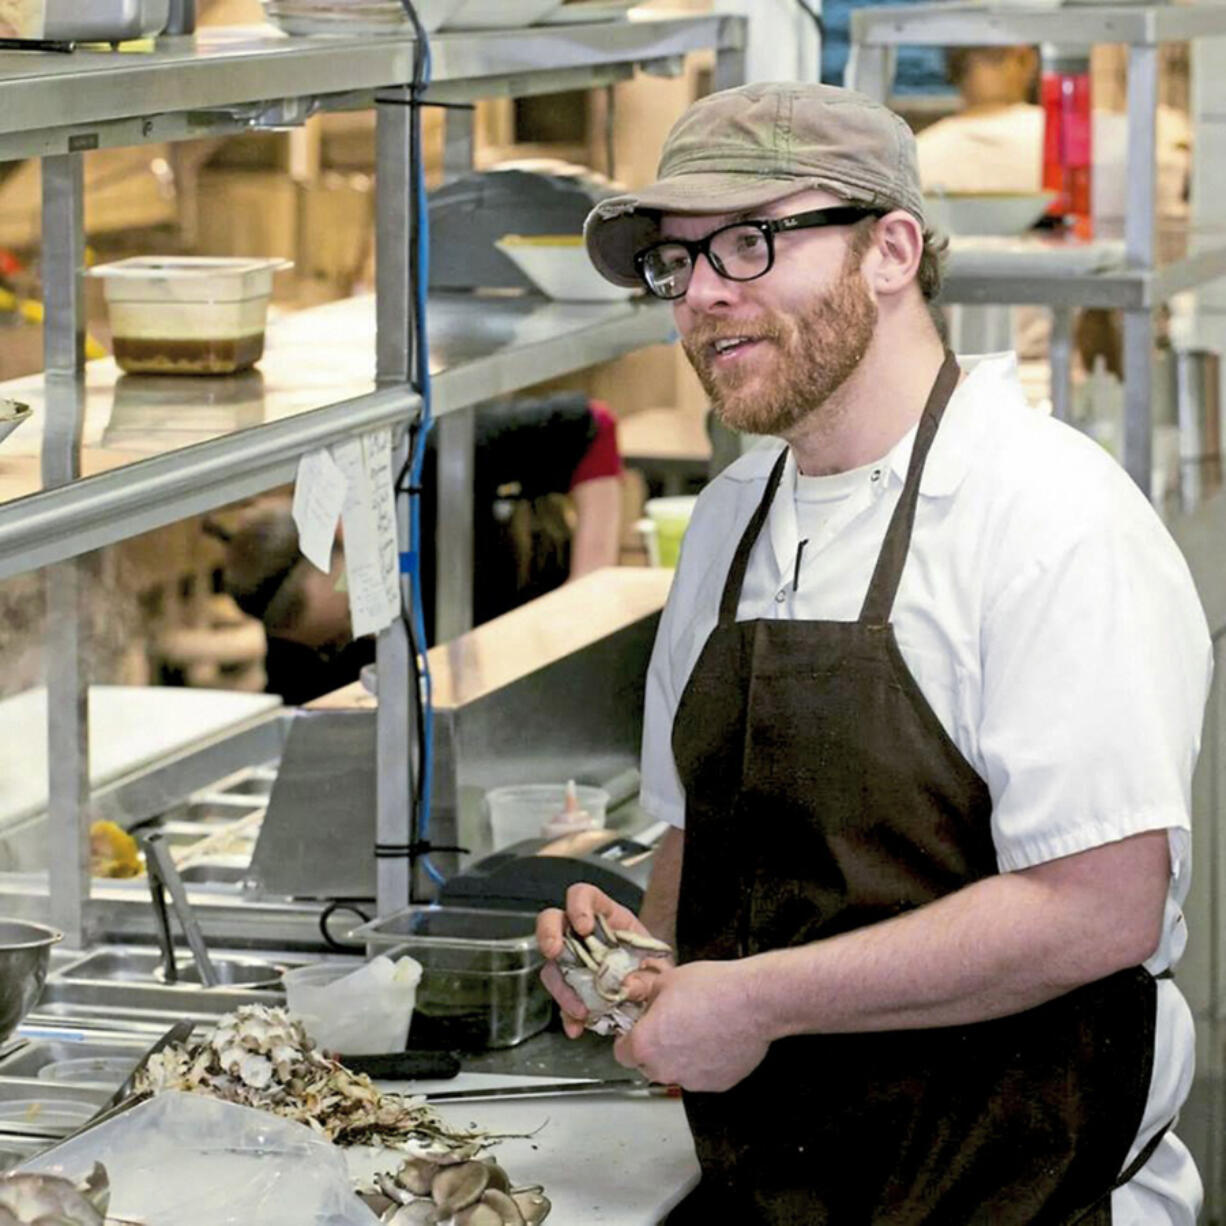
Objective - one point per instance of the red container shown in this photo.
(1068, 140)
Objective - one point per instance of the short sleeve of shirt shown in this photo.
(1095, 667)
(661, 795)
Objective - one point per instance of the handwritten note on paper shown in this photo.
(319, 496)
(378, 451)
(369, 517)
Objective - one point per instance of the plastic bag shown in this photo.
(190, 1160)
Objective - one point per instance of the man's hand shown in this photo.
(582, 903)
(701, 1031)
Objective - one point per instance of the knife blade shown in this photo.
(555, 1089)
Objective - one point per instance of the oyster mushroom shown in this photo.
(392, 1188)
(479, 1214)
(596, 967)
(500, 1181)
(30, 1198)
(416, 1213)
(508, 1210)
(457, 1187)
(417, 1174)
(532, 1203)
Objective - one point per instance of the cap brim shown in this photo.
(619, 227)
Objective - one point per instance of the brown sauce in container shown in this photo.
(188, 357)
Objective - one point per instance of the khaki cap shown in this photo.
(745, 148)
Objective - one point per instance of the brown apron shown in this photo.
(823, 794)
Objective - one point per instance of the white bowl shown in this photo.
(355, 18)
(12, 414)
(997, 213)
(559, 267)
(498, 14)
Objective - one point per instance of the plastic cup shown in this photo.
(519, 812)
(357, 1012)
(671, 517)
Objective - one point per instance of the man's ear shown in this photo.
(894, 255)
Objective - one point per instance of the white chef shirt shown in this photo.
(1050, 622)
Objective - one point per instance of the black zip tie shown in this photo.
(412, 851)
(426, 102)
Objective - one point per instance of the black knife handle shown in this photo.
(405, 1065)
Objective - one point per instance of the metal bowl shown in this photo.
(25, 950)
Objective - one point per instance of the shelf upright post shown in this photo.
(395, 771)
(1060, 359)
(730, 62)
(870, 66)
(65, 649)
(455, 436)
(1140, 252)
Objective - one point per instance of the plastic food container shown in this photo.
(49, 1113)
(358, 1012)
(558, 266)
(522, 811)
(187, 315)
(102, 1070)
(480, 985)
(669, 517)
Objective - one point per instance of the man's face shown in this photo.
(801, 329)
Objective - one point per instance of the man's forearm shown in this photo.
(659, 910)
(999, 946)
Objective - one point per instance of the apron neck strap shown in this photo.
(879, 602)
(740, 561)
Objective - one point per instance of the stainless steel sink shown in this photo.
(213, 874)
(96, 1003)
(145, 967)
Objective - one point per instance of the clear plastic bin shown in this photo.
(522, 811)
(187, 315)
(480, 984)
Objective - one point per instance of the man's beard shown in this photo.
(817, 350)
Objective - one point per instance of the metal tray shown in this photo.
(105, 21)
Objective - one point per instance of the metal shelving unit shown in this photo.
(233, 80)
(1144, 280)
(1156, 265)
(481, 349)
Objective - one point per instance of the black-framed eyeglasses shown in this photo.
(741, 251)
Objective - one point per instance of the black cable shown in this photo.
(815, 17)
(341, 904)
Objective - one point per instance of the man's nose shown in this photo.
(707, 289)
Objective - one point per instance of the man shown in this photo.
(922, 713)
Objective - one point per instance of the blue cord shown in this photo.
(417, 463)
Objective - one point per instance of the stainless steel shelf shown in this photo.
(100, 510)
(228, 79)
(485, 348)
(1121, 289)
(164, 448)
(963, 24)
